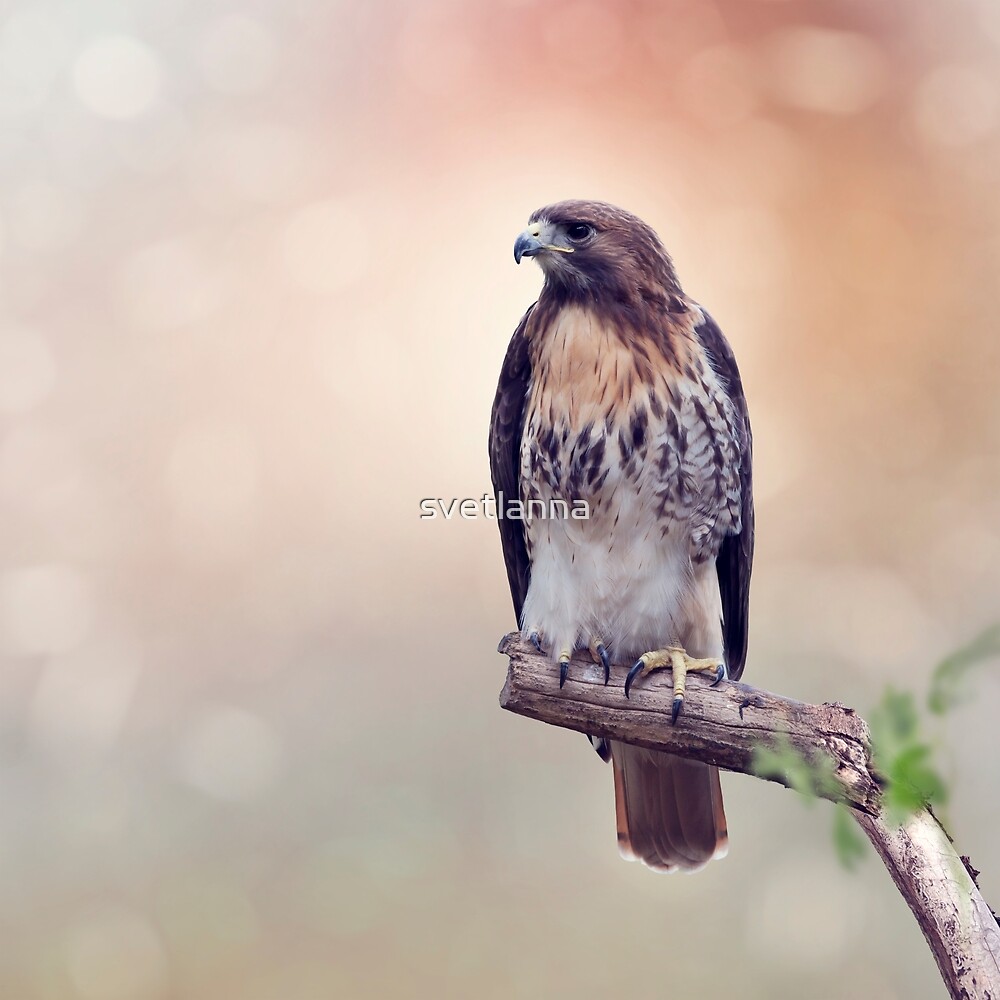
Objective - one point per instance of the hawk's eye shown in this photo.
(579, 231)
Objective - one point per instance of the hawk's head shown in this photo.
(594, 250)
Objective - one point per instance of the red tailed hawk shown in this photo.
(619, 390)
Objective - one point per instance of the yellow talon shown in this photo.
(680, 663)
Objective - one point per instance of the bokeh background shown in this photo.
(256, 286)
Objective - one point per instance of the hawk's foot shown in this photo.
(597, 650)
(600, 655)
(681, 664)
(564, 656)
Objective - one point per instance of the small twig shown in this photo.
(725, 726)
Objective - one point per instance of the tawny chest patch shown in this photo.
(607, 423)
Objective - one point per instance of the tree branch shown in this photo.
(725, 726)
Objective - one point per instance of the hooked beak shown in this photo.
(540, 236)
(526, 245)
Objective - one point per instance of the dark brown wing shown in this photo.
(735, 557)
(506, 426)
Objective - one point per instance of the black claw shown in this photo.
(678, 705)
(606, 661)
(720, 674)
(535, 641)
(632, 674)
(563, 671)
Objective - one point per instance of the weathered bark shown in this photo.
(959, 926)
(724, 726)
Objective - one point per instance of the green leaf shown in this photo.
(901, 755)
(849, 843)
(810, 777)
(913, 783)
(895, 722)
(903, 758)
(947, 680)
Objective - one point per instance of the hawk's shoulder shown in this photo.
(735, 558)
(506, 427)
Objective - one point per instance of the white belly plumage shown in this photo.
(626, 587)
